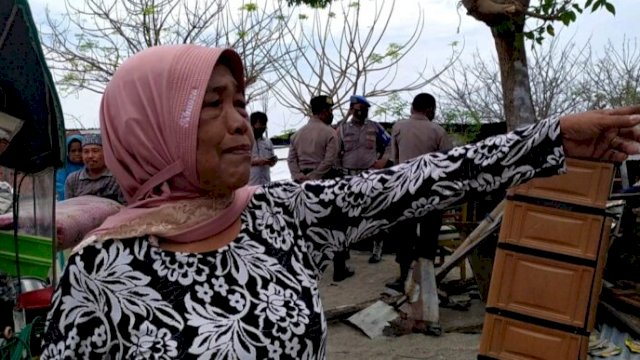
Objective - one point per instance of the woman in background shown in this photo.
(72, 163)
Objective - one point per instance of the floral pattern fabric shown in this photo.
(257, 297)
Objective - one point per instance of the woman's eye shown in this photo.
(214, 103)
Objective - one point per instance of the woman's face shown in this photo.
(224, 135)
(75, 152)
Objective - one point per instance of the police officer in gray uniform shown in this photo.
(314, 147)
(364, 145)
(411, 138)
(312, 156)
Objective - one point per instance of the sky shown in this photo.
(444, 24)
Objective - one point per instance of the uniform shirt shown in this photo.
(417, 136)
(79, 183)
(361, 144)
(314, 146)
(257, 297)
(262, 149)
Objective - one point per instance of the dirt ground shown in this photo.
(348, 342)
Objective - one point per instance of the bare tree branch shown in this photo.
(613, 78)
(557, 73)
(87, 43)
(344, 53)
(544, 17)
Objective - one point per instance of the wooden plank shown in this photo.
(631, 322)
(472, 241)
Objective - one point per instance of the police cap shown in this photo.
(321, 102)
(359, 99)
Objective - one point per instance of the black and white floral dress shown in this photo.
(257, 298)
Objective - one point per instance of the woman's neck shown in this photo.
(211, 243)
(220, 200)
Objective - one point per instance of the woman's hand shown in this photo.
(609, 135)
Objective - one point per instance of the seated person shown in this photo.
(94, 178)
(72, 164)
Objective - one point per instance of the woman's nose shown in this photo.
(238, 124)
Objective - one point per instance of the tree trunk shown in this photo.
(514, 74)
(506, 19)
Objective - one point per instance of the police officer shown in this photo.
(364, 145)
(314, 147)
(312, 155)
(413, 137)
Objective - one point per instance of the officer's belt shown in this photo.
(346, 171)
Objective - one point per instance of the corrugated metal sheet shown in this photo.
(617, 337)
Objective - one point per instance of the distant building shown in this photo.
(70, 132)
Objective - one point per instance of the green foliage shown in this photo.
(317, 4)
(376, 58)
(394, 108)
(457, 117)
(394, 51)
(149, 10)
(565, 11)
(284, 136)
(87, 45)
(250, 7)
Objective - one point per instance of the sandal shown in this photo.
(633, 345)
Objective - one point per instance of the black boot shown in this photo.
(376, 254)
(340, 269)
(398, 284)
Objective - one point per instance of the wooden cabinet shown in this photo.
(546, 289)
(551, 229)
(509, 339)
(547, 273)
(585, 183)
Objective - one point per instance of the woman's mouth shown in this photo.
(243, 149)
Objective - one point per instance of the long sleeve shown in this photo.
(77, 327)
(109, 304)
(330, 214)
(445, 143)
(383, 142)
(340, 138)
(330, 157)
(292, 161)
(395, 152)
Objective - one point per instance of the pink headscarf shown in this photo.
(149, 123)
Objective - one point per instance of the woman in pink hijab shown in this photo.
(201, 266)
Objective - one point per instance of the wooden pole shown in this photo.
(474, 239)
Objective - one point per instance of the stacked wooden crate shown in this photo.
(547, 273)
